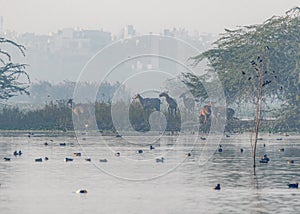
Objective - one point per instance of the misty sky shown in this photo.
(43, 16)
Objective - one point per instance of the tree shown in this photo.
(233, 53)
(12, 74)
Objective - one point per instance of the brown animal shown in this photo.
(205, 113)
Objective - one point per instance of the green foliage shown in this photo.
(277, 43)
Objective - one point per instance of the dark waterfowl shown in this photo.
(291, 161)
(152, 147)
(217, 187)
(46, 144)
(279, 139)
(220, 148)
(140, 151)
(20, 153)
(103, 160)
(160, 160)
(293, 185)
(264, 159)
(264, 145)
(62, 144)
(281, 150)
(118, 135)
(81, 191)
(227, 135)
(242, 150)
(117, 154)
(68, 159)
(202, 138)
(189, 154)
(16, 153)
(6, 159)
(88, 159)
(46, 158)
(38, 160)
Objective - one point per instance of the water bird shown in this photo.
(103, 160)
(293, 185)
(20, 153)
(68, 159)
(38, 160)
(118, 135)
(291, 161)
(81, 191)
(242, 150)
(62, 144)
(189, 154)
(140, 151)
(160, 160)
(6, 159)
(117, 154)
(152, 147)
(281, 150)
(77, 154)
(227, 135)
(16, 153)
(243, 72)
(264, 159)
(46, 158)
(279, 139)
(217, 187)
(88, 159)
(202, 138)
(264, 145)
(220, 148)
(46, 144)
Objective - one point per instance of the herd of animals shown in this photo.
(149, 104)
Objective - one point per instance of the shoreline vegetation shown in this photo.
(57, 116)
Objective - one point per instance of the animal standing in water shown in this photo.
(148, 103)
(205, 113)
(171, 103)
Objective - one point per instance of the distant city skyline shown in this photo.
(42, 17)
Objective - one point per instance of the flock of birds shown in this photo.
(264, 159)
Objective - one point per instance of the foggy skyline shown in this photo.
(211, 16)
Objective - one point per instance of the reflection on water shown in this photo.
(49, 187)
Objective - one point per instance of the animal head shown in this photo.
(136, 96)
(163, 94)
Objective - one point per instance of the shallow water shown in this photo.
(179, 185)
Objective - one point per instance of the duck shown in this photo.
(264, 159)
(217, 187)
(103, 160)
(152, 147)
(189, 154)
(81, 191)
(160, 160)
(227, 135)
(6, 159)
(242, 150)
(62, 144)
(140, 151)
(202, 138)
(293, 185)
(20, 153)
(117, 154)
(220, 148)
(46, 158)
(38, 160)
(118, 135)
(88, 159)
(46, 144)
(77, 154)
(16, 153)
(264, 145)
(290, 161)
(281, 150)
(68, 159)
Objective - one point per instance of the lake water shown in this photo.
(135, 183)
